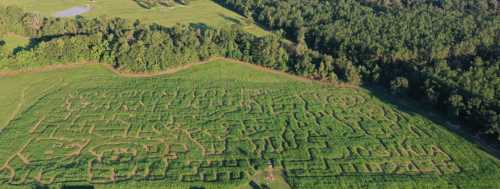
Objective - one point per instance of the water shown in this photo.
(74, 11)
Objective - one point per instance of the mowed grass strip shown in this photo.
(198, 11)
(219, 125)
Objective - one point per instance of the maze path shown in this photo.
(208, 134)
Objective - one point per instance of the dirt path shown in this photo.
(254, 66)
(168, 71)
(174, 70)
(187, 66)
(44, 69)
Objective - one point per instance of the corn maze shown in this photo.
(222, 132)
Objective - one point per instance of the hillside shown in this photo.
(350, 94)
(216, 125)
(196, 12)
(445, 54)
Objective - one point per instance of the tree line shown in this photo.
(137, 47)
(444, 53)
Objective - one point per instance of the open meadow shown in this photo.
(198, 11)
(221, 125)
(13, 41)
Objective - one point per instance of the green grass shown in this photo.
(199, 11)
(12, 41)
(217, 125)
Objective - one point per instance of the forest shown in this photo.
(135, 47)
(443, 53)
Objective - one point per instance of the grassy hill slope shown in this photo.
(198, 11)
(218, 125)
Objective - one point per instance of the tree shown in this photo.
(449, 44)
(455, 104)
(352, 75)
(399, 85)
(326, 68)
(438, 52)
(2, 45)
(347, 71)
(304, 66)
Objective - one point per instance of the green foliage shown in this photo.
(218, 125)
(197, 11)
(2, 46)
(136, 47)
(441, 47)
(399, 85)
(457, 55)
(472, 6)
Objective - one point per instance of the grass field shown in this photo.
(12, 41)
(218, 125)
(198, 11)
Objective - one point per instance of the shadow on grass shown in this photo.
(232, 20)
(34, 42)
(485, 142)
(38, 186)
(77, 187)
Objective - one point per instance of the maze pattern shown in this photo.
(218, 134)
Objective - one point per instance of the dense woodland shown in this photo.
(444, 53)
(132, 46)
